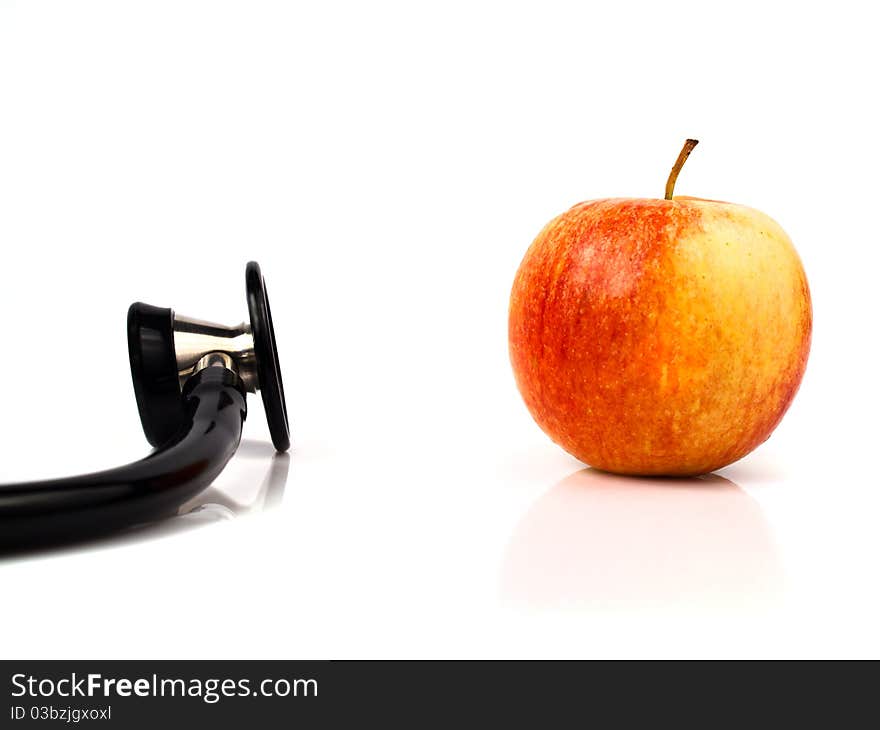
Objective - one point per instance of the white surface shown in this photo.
(388, 164)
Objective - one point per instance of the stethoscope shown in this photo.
(190, 380)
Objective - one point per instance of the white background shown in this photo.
(388, 164)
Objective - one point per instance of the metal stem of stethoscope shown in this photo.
(190, 380)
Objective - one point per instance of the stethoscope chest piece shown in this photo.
(191, 380)
(166, 349)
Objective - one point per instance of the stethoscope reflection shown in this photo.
(217, 504)
(230, 497)
(600, 541)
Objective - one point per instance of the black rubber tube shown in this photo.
(74, 508)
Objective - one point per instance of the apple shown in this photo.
(660, 336)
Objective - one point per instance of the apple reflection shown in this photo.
(601, 541)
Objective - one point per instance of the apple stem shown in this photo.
(689, 145)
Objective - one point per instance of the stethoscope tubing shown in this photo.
(70, 508)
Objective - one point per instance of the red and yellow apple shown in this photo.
(660, 336)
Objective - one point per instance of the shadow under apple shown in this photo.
(601, 541)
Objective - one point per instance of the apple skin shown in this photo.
(659, 337)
